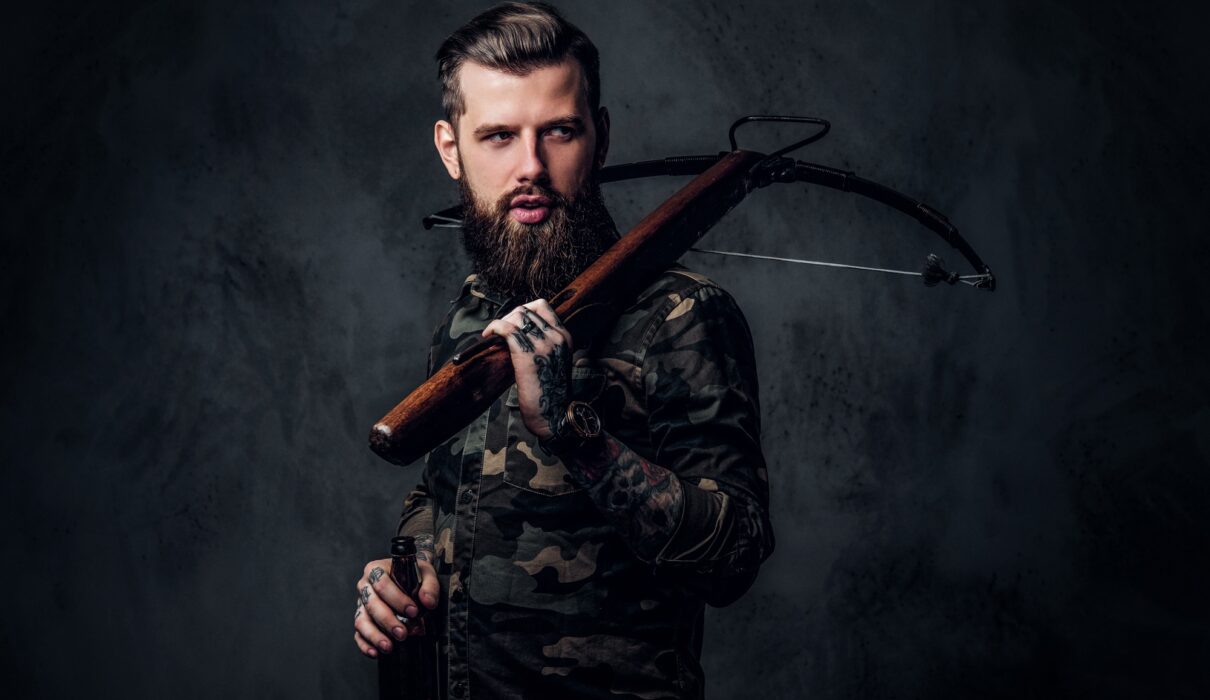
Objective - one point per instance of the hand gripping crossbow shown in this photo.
(471, 381)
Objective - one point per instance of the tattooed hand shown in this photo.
(381, 604)
(541, 352)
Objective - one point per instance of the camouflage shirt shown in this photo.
(543, 597)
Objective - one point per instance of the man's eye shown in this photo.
(498, 137)
(562, 132)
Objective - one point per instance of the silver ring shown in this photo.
(529, 326)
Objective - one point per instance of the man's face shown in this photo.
(523, 130)
(525, 157)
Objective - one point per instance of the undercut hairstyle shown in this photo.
(515, 38)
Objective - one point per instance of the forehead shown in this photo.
(495, 97)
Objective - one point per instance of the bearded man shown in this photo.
(571, 535)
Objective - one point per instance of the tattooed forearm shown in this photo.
(424, 548)
(554, 377)
(643, 499)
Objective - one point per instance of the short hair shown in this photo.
(516, 38)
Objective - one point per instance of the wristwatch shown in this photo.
(577, 428)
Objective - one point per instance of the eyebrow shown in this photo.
(568, 120)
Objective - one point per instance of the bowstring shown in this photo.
(971, 280)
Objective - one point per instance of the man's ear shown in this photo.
(602, 124)
(446, 141)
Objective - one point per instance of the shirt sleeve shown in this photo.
(417, 516)
(700, 383)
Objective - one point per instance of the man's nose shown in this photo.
(533, 165)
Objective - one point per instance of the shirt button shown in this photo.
(456, 595)
(459, 690)
(468, 496)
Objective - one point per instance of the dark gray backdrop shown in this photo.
(214, 281)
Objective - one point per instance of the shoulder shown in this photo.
(697, 358)
(683, 296)
(676, 283)
(679, 309)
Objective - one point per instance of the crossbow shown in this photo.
(464, 387)
(777, 168)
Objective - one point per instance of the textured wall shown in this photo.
(213, 281)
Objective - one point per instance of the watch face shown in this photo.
(585, 420)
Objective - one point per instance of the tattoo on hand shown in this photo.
(554, 378)
(376, 574)
(365, 595)
(532, 328)
(523, 341)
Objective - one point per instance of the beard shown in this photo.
(535, 261)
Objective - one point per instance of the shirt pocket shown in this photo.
(527, 466)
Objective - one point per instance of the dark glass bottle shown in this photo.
(410, 670)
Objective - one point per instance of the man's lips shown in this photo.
(533, 200)
(529, 209)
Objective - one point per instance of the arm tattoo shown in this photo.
(643, 499)
(526, 346)
(376, 574)
(425, 551)
(554, 378)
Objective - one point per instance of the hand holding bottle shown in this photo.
(381, 603)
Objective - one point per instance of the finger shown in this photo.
(386, 618)
(500, 327)
(527, 321)
(365, 626)
(539, 320)
(518, 341)
(546, 311)
(430, 586)
(534, 324)
(515, 315)
(390, 593)
(543, 310)
(365, 647)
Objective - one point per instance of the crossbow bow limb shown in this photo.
(464, 387)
